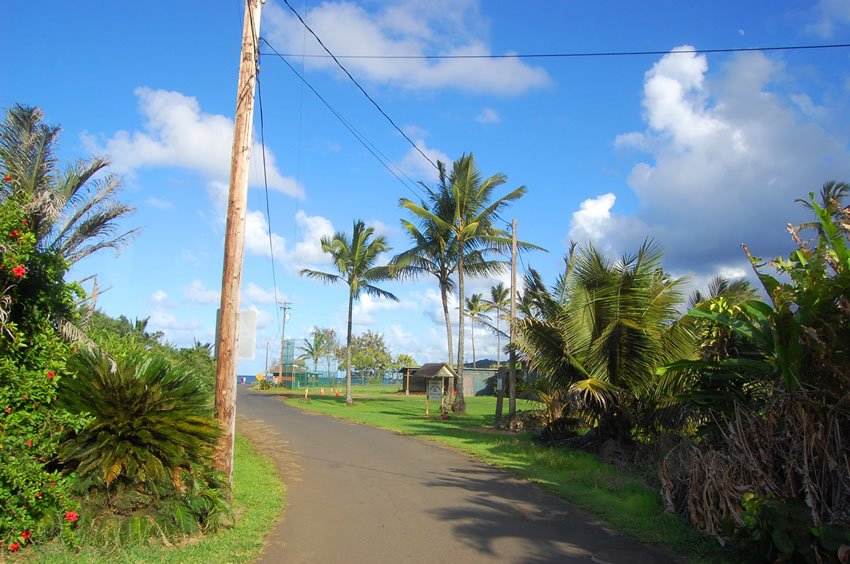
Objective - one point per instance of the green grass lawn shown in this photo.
(620, 500)
(258, 501)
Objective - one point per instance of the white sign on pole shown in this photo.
(435, 390)
(247, 334)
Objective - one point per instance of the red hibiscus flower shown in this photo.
(14, 546)
(8, 410)
(14, 234)
(7, 178)
(51, 375)
(26, 535)
(19, 271)
(71, 516)
(29, 442)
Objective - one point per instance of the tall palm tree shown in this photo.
(354, 259)
(476, 306)
(70, 211)
(314, 349)
(470, 216)
(435, 250)
(499, 302)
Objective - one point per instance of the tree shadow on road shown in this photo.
(529, 525)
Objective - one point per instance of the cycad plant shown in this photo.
(152, 421)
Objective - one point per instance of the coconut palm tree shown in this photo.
(435, 251)
(71, 212)
(354, 259)
(476, 306)
(314, 349)
(470, 217)
(604, 337)
(499, 302)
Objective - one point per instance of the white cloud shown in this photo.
(159, 297)
(728, 155)
(411, 27)
(416, 165)
(197, 292)
(830, 15)
(169, 323)
(178, 134)
(488, 115)
(161, 204)
(365, 308)
(258, 295)
(257, 236)
(308, 251)
(592, 218)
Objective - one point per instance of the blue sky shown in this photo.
(701, 152)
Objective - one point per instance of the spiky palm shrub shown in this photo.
(601, 334)
(148, 449)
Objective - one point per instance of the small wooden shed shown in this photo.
(416, 379)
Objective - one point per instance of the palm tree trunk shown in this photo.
(348, 399)
(444, 294)
(498, 339)
(459, 405)
(472, 336)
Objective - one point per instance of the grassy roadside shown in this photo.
(620, 500)
(258, 500)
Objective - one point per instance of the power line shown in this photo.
(385, 161)
(357, 84)
(263, 149)
(582, 54)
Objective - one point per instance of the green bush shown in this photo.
(33, 493)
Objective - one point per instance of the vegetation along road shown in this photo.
(360, 494)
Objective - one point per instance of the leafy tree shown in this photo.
(331, 351)
(33, 294)
(370, 354)
(404, 360)
(355, 260)
(71, 212)
(464, 208)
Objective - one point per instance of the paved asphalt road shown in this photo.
(355, 494)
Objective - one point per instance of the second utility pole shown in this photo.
(285, 306)
(234, 242)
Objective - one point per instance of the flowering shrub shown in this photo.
(32, 363)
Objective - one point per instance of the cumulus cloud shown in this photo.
(197, 292)
(257, 236)
(728, 154)
(367, 306)
(487, 116)
(308, 251)
(829, 16)
(406, 27)
(161, 204)
(178, 134)
(258, 295)
(417, 166)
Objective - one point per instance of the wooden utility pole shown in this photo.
(234, 243)
(512, 367)
(285, 307)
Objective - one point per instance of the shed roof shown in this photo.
(435, 370)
